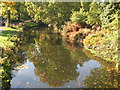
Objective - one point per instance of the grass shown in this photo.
(31, 24)
(11, 29)
(5, 35)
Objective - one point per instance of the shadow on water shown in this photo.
(52, 63)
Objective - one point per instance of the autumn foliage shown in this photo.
(75, 30)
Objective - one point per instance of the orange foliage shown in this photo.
(73, 29)
(9, 4)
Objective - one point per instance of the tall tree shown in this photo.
(51, 13)
(9, 6)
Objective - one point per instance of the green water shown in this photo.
(48, 62)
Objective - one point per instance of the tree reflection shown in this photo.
(54, 63)
(53, 66)
(76, 54)
(102, 78)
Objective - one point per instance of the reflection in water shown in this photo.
(56, 64)
(85, 70)
(100, 78)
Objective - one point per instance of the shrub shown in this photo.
(79, 16)
(83, 33)
(75, 33)
(103, 44)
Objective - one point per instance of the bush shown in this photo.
(103, 44)
(93, 17)
(75, 33)
(79, 16)
(78, 39)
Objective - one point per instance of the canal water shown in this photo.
(43, 60)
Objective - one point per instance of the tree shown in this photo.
(21, 11)
(9, 6)
(108, 12)
(55, 13)
(93, 14)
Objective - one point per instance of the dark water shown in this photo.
(46, 62)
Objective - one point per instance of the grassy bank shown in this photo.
(8, 38)
(27, 24)
(5, 37)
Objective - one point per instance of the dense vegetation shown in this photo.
(8, 39)
(93, 25)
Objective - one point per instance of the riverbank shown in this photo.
(24, 25)
(101, 42)
(8, 38)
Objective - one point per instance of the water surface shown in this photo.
(51, 63)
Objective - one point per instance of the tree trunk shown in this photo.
(18, 9)
(19, 17)
(8, 18)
